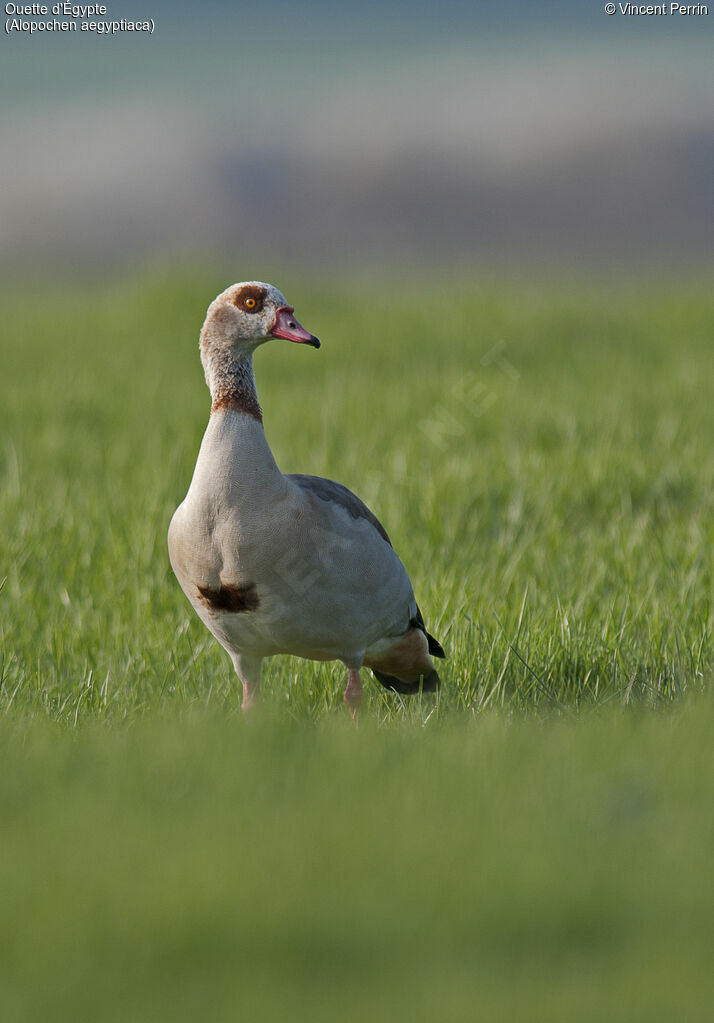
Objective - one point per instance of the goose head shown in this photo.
(247, 315)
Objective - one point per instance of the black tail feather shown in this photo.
(435, 647)
(427, 684)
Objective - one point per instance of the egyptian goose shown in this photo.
(286, 564)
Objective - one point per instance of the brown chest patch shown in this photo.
(236, 599)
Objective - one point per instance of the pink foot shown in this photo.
(250, 698)
(353, 694)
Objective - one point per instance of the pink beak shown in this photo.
(287, 327)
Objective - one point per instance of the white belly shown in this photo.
(322, 584)
(321, 592)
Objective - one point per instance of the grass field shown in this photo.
(536, 843)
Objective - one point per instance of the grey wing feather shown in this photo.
(328, 490)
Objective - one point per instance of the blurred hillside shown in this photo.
(368, 135)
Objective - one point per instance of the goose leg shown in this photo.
(248, 671)
(353, 693)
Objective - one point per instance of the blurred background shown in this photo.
(540, 448)
(517, 137)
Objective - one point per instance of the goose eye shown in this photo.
(250, 303)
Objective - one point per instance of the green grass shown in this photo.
(543, 462)
(535, 844)
(222, 870)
